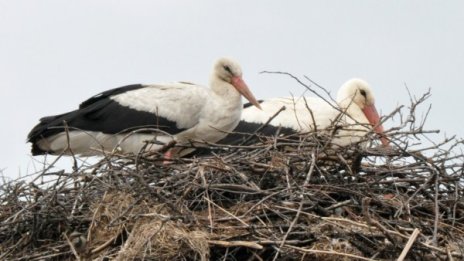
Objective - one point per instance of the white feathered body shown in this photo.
(198, 114)
(306, 114)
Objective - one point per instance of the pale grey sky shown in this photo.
(55, 54)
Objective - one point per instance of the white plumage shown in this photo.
(181, 103)
(354, 114)
(125, 118)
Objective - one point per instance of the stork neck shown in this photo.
(353, 110)
(224, 89)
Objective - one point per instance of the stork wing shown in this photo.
(170, 107)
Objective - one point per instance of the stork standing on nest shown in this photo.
(126, 118)
(353, 116)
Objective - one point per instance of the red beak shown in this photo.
(374, 119)
(243, 89)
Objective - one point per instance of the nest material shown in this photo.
(274, 199)
(285, 198)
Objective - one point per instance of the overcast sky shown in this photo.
(55, 54)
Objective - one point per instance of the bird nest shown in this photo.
(278, 198)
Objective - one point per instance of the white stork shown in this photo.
(125, 118)
(354, 115)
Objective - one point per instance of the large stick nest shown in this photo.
(280, 198)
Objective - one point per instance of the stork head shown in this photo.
(229, 71)
(357, 92)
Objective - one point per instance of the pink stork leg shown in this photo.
(168, 157)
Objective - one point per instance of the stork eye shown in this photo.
(227, 68)
(363, 93)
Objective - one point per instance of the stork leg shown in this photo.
(168, 157)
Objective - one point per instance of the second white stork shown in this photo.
(353, 116)
(125, 118)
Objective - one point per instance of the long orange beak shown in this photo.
(374, 119)
(242, 88)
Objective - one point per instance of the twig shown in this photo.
(236, 243)
(315, 251)
(408, 245)
(308, 176)
(72, 247)
(227, 212)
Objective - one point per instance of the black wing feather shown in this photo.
(109, 93)
(242, 132)
(244, 128)
(249, 104)
(103, 114)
